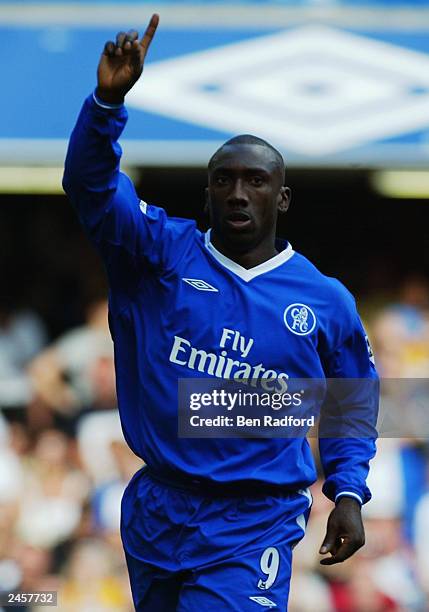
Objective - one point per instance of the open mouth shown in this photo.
(239, 219)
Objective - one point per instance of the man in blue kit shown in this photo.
(210, 523)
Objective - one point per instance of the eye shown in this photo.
(221, 181)
(257, 180)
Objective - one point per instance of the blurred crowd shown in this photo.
(64, 466)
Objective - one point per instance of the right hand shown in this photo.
(121, 64)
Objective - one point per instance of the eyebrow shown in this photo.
(255, 170)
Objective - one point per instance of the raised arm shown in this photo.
(91, 173)
(92, 162)
(131, 236)
(126, 231)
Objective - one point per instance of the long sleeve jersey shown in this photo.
(179, 308)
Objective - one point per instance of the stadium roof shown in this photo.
(331, 84)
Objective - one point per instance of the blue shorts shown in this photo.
(192, 552)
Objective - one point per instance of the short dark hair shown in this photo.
(250, 139)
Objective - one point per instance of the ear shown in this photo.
(206, 200)
(284, 199)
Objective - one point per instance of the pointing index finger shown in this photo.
(150, 31)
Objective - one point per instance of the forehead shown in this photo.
(245, 156)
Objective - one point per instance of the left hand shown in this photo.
(345, 533)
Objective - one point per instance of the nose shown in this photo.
(238, 195)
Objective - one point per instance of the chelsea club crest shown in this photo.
(299, 319)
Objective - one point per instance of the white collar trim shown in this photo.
(244, 273)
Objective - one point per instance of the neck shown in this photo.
(248, 258)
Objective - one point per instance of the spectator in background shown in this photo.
(98, 427)
(106, 501)
(421, 528)
(65, 374)
(54, 492)
(90, 582)
(11, 489)
(22, 336)
(400, 332)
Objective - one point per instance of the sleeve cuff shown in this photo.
(105, 104)
(349, 494)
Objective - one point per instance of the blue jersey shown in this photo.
(179, 308)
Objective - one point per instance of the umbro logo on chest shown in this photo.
(199, 284)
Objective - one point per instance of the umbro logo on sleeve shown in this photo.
(199, 284)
